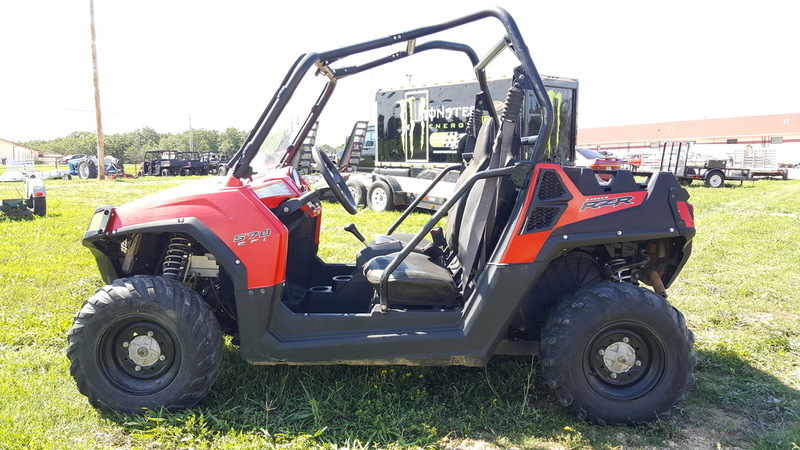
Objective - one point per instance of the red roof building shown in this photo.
(779, 130)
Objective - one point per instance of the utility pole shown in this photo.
(191, 137)
(101, 153)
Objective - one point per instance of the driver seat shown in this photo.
(423, 279)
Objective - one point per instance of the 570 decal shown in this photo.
(251, 237)
(605, 202)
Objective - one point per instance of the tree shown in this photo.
(177, 142)
(205, 141)
(230, 141)
(130, 147)
(120, 146)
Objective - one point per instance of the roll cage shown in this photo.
(331, 64)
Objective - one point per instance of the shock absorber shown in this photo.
(176, 257)
(474, 122)
(513, 104)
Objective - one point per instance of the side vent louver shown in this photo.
(550, 201)
(550, 186)
(541, 218)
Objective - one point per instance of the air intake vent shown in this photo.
(541, 218)
(550, 186)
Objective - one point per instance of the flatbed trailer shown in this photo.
(688, 166)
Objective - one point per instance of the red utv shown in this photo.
(535, 258)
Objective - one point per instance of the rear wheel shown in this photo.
(564, 275)
(165, 173)
(715, 179)
(142, 343)
(615, 353)
(380, 197)
(358, 191)
(87, 169)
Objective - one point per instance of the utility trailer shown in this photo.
(714, 164)
(421, 131)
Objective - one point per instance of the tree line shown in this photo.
(130, 147)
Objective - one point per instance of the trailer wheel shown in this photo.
(715, 179)
(615, 353)
(38, 205)
(144, 343)
(358, 191)
(380, 197)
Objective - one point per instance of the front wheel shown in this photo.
(142, 343)
(615, 353)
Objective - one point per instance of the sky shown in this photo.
(166, 64)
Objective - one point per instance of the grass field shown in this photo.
(740, 293)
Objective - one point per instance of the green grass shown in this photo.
(739, 292)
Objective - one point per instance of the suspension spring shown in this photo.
(176, 257)
(620, 269)
(617, 267)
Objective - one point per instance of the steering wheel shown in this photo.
(335, 181)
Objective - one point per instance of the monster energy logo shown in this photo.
(448, 113)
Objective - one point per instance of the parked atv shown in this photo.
(536, 258)
(194, 164)
(165, 163)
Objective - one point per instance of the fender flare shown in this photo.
(190, 226)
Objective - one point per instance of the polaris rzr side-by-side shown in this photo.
(534, 257)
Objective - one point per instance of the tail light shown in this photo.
(686, 211)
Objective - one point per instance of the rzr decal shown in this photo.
(605, 202)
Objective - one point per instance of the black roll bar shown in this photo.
(419, 198)
(246, 153)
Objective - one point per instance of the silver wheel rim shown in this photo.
(379, 198)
